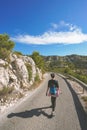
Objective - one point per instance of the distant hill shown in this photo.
(63, 61)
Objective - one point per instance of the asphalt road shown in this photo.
(34, 112)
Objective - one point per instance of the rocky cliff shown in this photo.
(18, 74)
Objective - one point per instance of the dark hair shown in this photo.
(52, 75)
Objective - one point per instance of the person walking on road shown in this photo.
(52, 90)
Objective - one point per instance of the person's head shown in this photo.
(52, 75)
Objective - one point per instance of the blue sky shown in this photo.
(51, 27)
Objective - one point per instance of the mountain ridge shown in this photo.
(61, 61)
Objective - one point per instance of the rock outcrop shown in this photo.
(15, 74)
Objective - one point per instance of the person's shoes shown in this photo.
(53, 113)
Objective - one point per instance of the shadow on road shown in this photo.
(31, 113)
(82, 115)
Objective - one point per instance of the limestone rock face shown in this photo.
(39, 73)
(15, 74)
(4, 77)
(30, 61)
(22, 72)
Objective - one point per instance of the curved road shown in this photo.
(34, 112)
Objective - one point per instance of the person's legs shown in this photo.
(53, 101)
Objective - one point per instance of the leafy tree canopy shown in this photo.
(6, 46)
(39, 61)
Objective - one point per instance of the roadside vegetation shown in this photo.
(39, 61)
(6, 46)
(75, 68)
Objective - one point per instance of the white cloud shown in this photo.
(74, 35)
(54, 25)
(63, 25)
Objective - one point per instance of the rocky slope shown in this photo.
(14, 76)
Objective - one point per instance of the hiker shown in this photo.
(52, 90)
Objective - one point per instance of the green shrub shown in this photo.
(6, 90)
(6, 46)
(29, 68)
(37, 79)
(4, 53)
(84, 98)
(39, 61)
(17, 53)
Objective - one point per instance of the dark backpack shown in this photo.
(53, 87)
